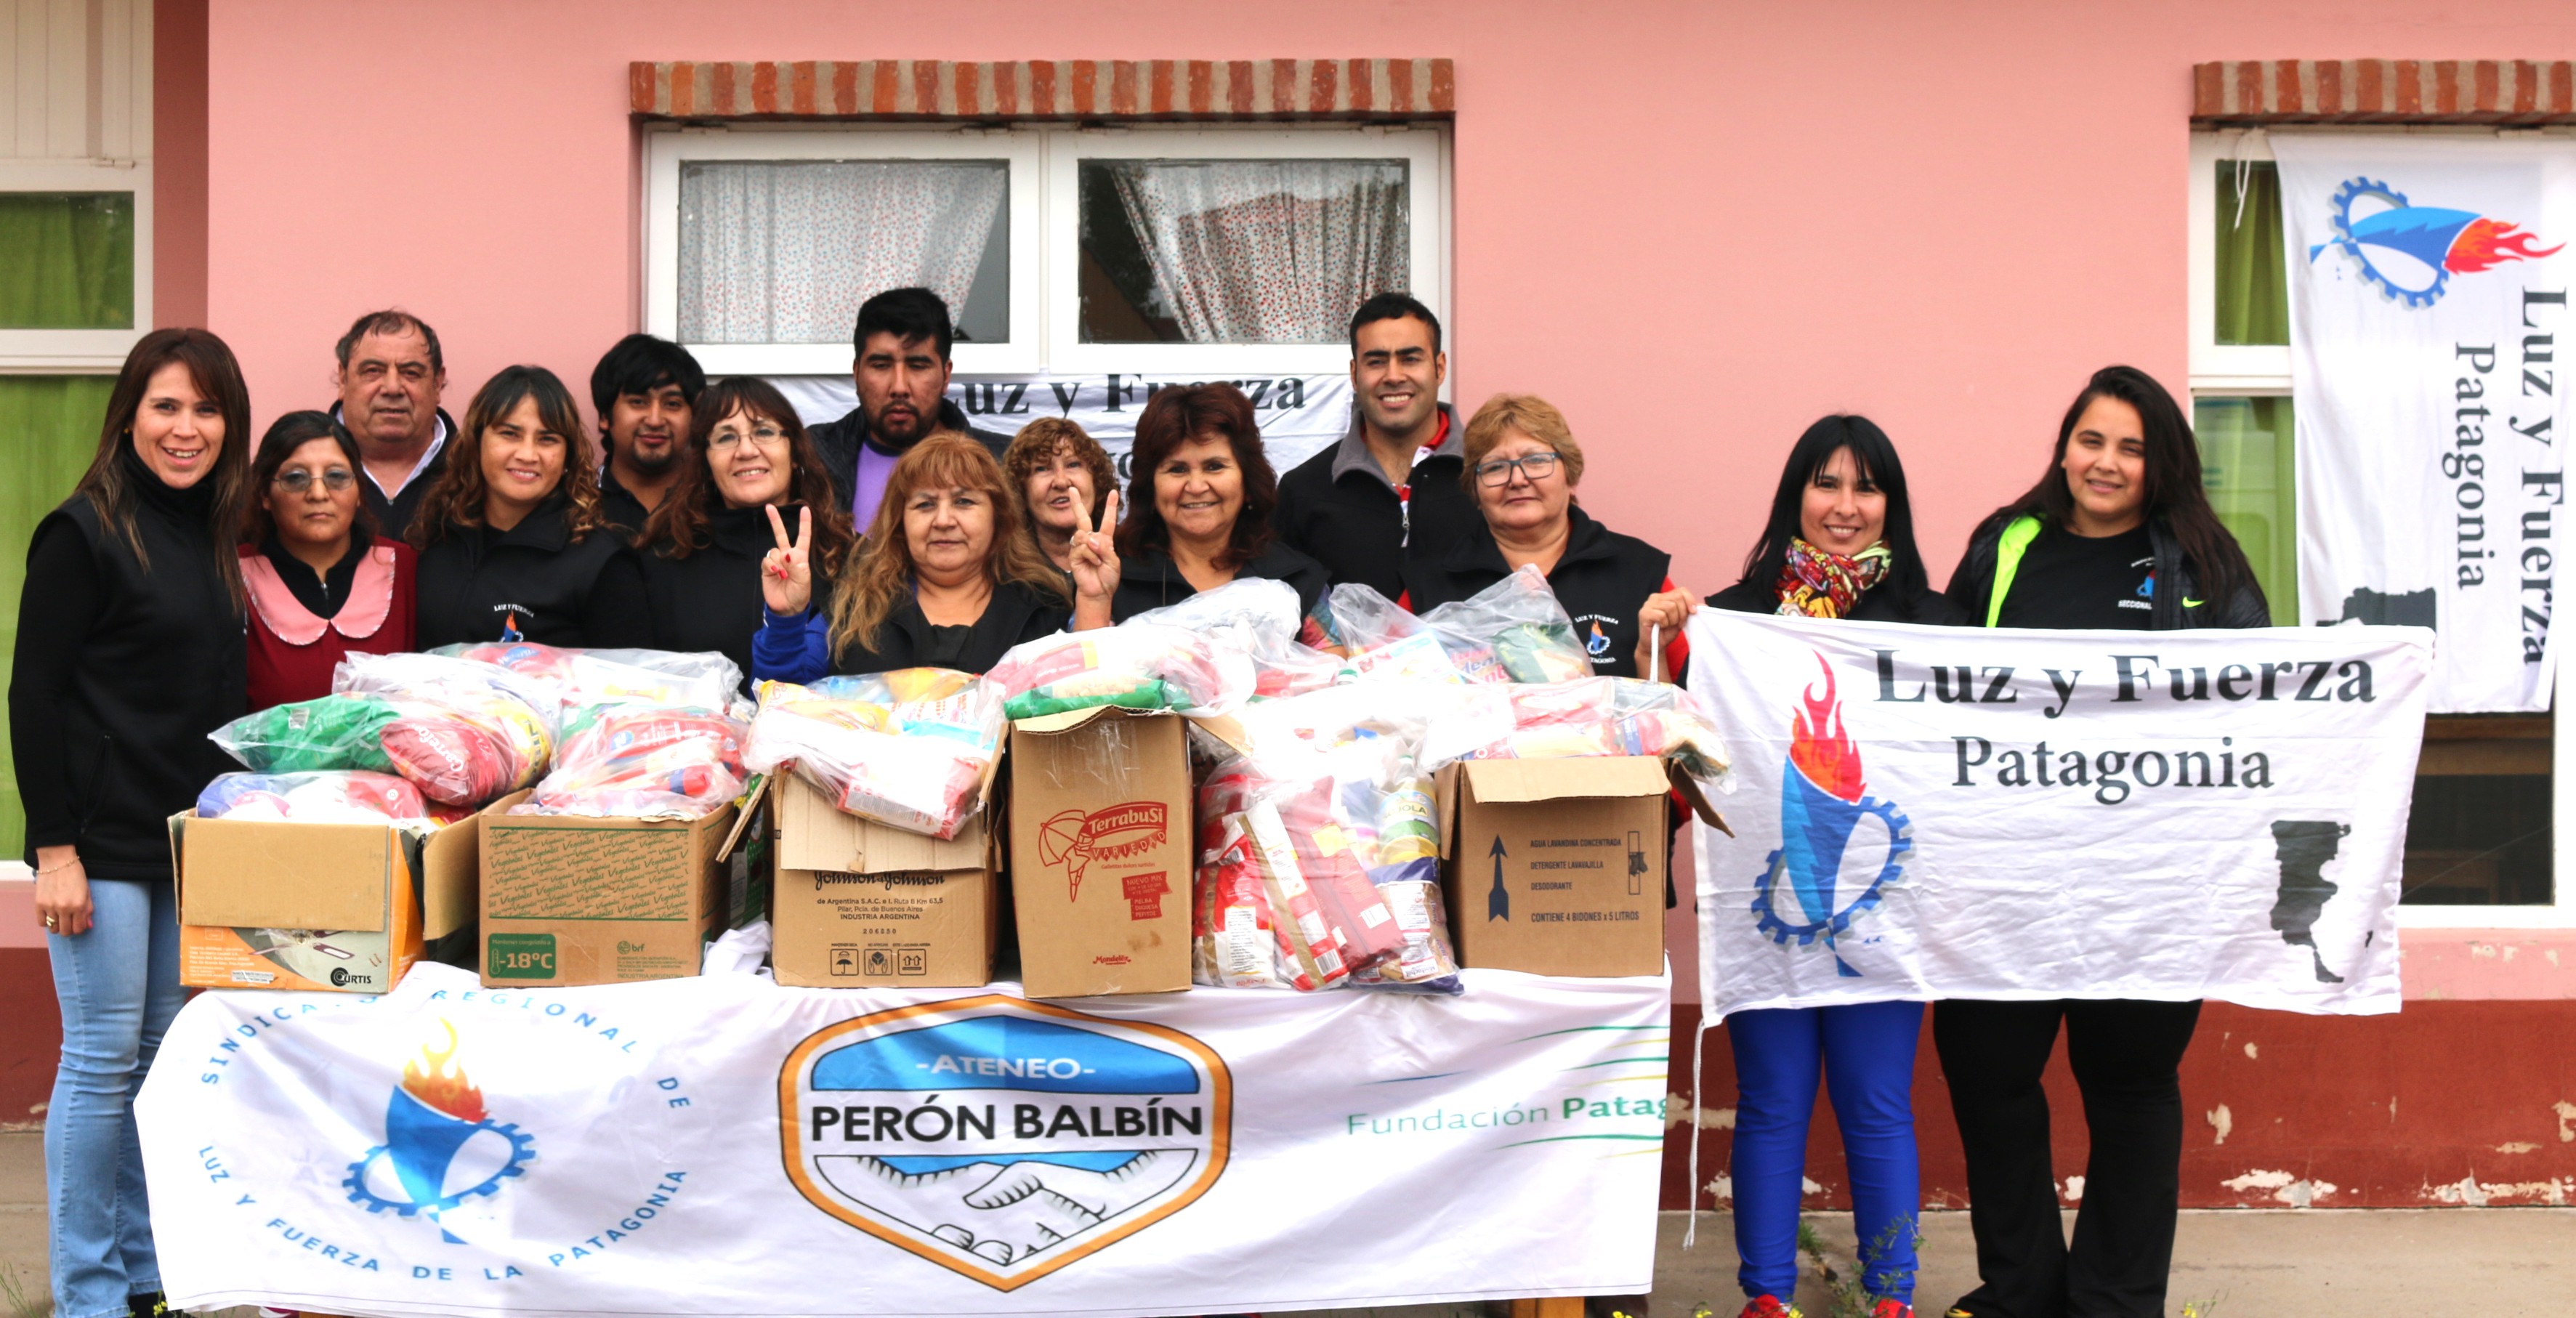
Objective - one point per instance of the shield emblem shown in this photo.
(1001, 1138)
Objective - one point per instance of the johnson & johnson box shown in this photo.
(569, 899)
(1101, 852)
(334, 907)
(856, 902)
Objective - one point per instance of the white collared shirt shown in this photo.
(437, 441)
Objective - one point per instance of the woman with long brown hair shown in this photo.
(514, 544)
(1200, 492)
(948, 577)
(129, 652)
(701, 549)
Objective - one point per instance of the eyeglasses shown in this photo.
(764, 436)
(1536, 466)
(298, 480)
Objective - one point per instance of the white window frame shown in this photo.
(1044, 235)
(84, 351)
(2242, 371)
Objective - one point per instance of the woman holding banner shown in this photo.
(1840, 544)
(2118, 534)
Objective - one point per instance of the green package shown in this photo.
(1151, 693)
(1541, 652)
(334, 732)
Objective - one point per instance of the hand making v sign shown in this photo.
(786, 580)
(1095, 568)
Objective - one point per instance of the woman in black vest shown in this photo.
(1200, 492)
(129, 652)
(2117, 534)
(1522, 468)
(701, 550)
(514, 544)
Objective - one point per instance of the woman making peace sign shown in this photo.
(947, 578)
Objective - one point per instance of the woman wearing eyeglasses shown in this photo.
(702, 548)
(322, 584)
(1522, 468)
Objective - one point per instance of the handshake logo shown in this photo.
(1000, 1138)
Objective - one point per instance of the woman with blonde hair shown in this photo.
(947, 578)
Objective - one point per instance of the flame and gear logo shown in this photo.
(2372, 221)
(438, 1135)
(1822, 801)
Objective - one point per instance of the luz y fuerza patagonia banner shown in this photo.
(1967, 813)
(720, 1144)
(2428, 319)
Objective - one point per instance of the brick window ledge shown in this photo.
(1172, 90)
(2384, 91)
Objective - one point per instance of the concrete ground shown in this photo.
(2237, 1263)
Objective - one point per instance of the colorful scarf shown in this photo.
(1816, 584)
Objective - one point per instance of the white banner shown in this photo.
(1967, 813)
(2428, 311)
(1299, 415)
(721, 1145)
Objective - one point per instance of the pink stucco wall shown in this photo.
(1694, 226)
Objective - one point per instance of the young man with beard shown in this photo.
(643, 390)
(902, 371)
(389, 377)
(1391, 490)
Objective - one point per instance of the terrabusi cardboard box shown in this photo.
(858, 902)
(336, 907)
(569, 899)
(1101, 852)
(1557, 867)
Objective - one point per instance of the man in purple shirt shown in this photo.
(902, 370)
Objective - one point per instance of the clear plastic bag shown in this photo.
(335, 732)
(1511, 631)
(909, 748)
(329, 797)
(1590, 716)
(1258, 617)
(644, 762)
(466, 732)
(1135, 665)
(579, 678)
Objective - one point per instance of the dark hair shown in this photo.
(907, 314)
(285, 435)
(1179, 413)
(217, 376)
(678, 528)
(457, 499)
(391, 322)
(2174, 492)
(1393, 306)
(640, 364)
(1875, 455)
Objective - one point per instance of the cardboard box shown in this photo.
(569, 899)
(1101, 852)
(1556, 867)
(857, 902)
(331, 907)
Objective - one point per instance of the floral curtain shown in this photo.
(784, 251)
(1267, 251)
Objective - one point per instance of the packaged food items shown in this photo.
(909, 748)
(578, 678)
(465, 731)
(1588, 716)
(1259, 617)
(1138, 665)
(333, 732)
(1511, 631)
(327, 797)
(644, 762)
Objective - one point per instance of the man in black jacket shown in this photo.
(390, 376)
(1390, 490)
(642, 391)
(902, 371)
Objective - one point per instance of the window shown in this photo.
(1058, 248)
(77, 282)
(2481, 841)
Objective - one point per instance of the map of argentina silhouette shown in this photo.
(2303, 846)
(2412, 608)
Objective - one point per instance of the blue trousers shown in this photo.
(118, 984)
(1866, 1052)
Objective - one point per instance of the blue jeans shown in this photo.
(1867, 1055)
(118, 984)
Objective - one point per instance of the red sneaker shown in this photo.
(1892, 1309)
(1769, 1306)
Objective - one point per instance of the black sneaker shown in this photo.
(149, 1304)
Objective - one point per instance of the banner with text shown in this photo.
(1955, 813)
(2428, 301)
(724, 1143)
(1299, 415)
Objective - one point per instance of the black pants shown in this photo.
(2126, 1057)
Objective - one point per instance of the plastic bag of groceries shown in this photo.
(1558, 720)
(909, 748)
(1259, 617)
(1136, 665)
(579, 678)
(644, 762)
(335, 732)
(465, 731)
(327, 797)
(1511, 631)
